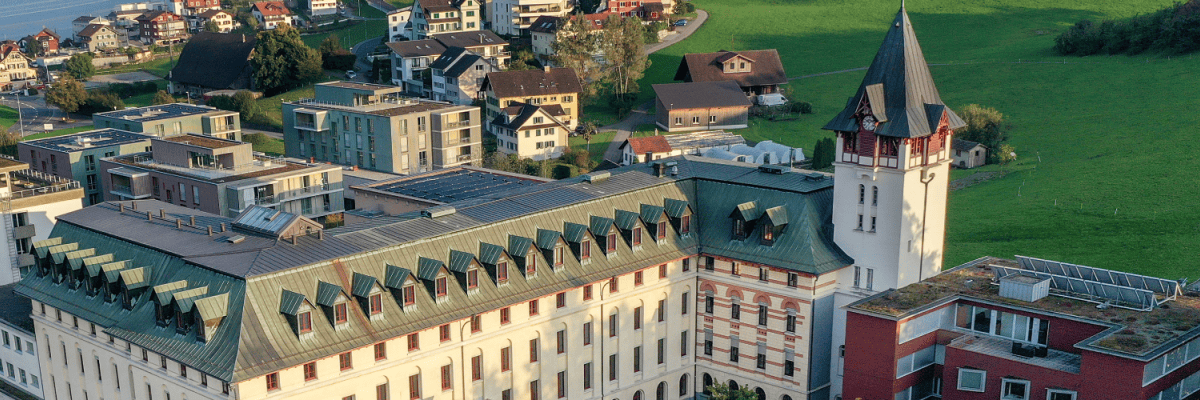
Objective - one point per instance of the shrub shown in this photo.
(802, 107)
(339, 62)
(564, 171)
(100, 101)
(1172, 29)
(32, 91)
(257, 139)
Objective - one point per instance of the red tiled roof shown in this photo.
(649, 144)
(271, 8)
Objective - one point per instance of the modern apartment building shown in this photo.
(1025, 329)
(30, 203)
(431, 17)
(541, 87)
(376, 127)
(222, 177)
(19, 367)
(173, 119)
(77, 156)
(514, 17)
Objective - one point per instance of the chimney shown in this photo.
(162, 213)
(149, 216)
(192, 221)
(321, 234)
(222, 227)
(210, 232)
(658, 170)
(178, 223)
(546, 68)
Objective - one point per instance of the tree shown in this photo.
(985, 125)
(522, 60)
(576, 48)
(331, 45)
(243, 102)
(162, 97)
(283, 62)
(211, 26)
(621, 43)
(79, 66)
(722, 391)
(33, 48)
(67, 94)
(1006, 154)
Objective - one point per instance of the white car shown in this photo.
(351, 74)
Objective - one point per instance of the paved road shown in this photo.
(36, 114)
(362, 50)
(640, 115)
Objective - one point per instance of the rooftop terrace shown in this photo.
(89, 139)
(386, 106)
(22, 187)
(445, 186)
(261, 166)
(165, 111)
(1137, 332)
(203, 141)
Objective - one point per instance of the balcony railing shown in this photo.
(527, 9)
(295, 194)
(422, 127)
(465, 157)
(309, 126)
(456, 124)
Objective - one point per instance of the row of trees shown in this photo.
(609, 61)
(1173, 29)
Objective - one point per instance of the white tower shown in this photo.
(892, 171)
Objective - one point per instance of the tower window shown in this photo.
(860, 222)
(874, 195)
(862, 193)
(849, 142)
(739, 228)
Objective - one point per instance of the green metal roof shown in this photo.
(600, 226)
(518, 246)
(60, 252)
(289, 302)
(213, 307)
(42, 246)
(112, 270)
(427, 268)
(748, 211)
(185, 298)
(394, 277)
(574, 233)
(460, 261)
(547, 239)
(135, 278)
(163, 293)
(652, 214)
(490, 253)
(777, 216)
(625, 220)
(362, 284)
(75, 258)
(93, 264)
(676, 208)
(327, 293)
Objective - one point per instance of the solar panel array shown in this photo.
(1165, 287)
(1139, 299)
(457, 185)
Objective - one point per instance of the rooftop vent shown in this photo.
(1024, 288)
(815, 176)
(774, 169)
(235, 239)
(596, 177)
(438, 211)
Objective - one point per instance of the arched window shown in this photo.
(708, 382)
(637, 395)
(661, 392)
(683, 385)
(762, 395)
(785, 397)
(862, 193)
(874, 195)
(733, 385)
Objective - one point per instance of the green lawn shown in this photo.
(272, 107)
(272, 146)
(1101, 125)
(145, 99)
(158, 67)
(8, 118)
(599, 144)
(400, 3)
(59, 132)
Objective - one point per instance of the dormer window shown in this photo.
(585, 249)
(558, 256)
(685, 224)
(441, 287)
(612, 243)
(304, 320)
(530, 263)
(472, 279)
(339, 313)
(376, 303)
(739, 229)
(662, 230)
(637, 236)
(502, 272)
(768, 235)
(409, 295)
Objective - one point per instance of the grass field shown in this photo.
(354, 34)
(1116, 156)
(145, 99)
(599, 144)
(158, 67)
(8, 118)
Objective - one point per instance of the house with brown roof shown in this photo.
(968, 154)
(49, 39)
(758, 72)
(695, 106)
(213, 61)
(161, 27)
(431, 17)
(197, 7)
(96, 37)
(222, 18)
(650, 148)
(531, 131)
(271, 14)
(547, 86)
(81, 23)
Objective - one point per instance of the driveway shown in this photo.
(128, 77)
(683, 33)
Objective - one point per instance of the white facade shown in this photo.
(398, 24)
(25, 225)
(513, 17)
(322, 7)
(19, 360)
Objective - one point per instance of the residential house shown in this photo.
(126, 24)
(173, 119)
(376, 127)
(321, 7)
(458, 75)
(543, 32)
(213, 61)
(431, 17)
(162, 27)
(223, 19)
(9, 45)
(1025, 329)
(81, 23)
(16, 70)
(76, 157)
(758, 72)
(271, 14)
(97, 37)
(514, 17)
(400, 195)
(696, 106)
(485, 43)
(223, 177)
(31, 202)
(399, 24)
(657, 147)
(20, 350)
(540, 87)
(47, 37)
(193, 8)
(411, 60)
(638, 8)
(968, 154)
(530, 131)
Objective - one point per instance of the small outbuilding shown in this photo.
(968, 154)
(694, 106)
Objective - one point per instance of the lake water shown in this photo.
(19, 18)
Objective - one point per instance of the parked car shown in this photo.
(682, 22)
(351, 74)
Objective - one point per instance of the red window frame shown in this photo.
(612, 285)
(380, 351)
(506, 359)
(612, 242)
(637, 278)
(502, 272)
(447, 378)
(310, 371)
(531, 263)
(476, 368)
(472, 279)
(637, 235)
(662, 230)
(345, 361)
(585, 249)
(533, 307)
(441, 286)
(339, 313)
(409, 294)
(273, 381)
(662, 271)
(505, 316)
(685, 224)
(444, 332)
(414, 386)
(304, 320)
(533, 350)
(560, 300)
(376, 303)
(414, 342)
(587, 292)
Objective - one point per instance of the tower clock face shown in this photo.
(868, 123)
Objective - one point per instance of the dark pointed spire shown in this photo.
(899, 81)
